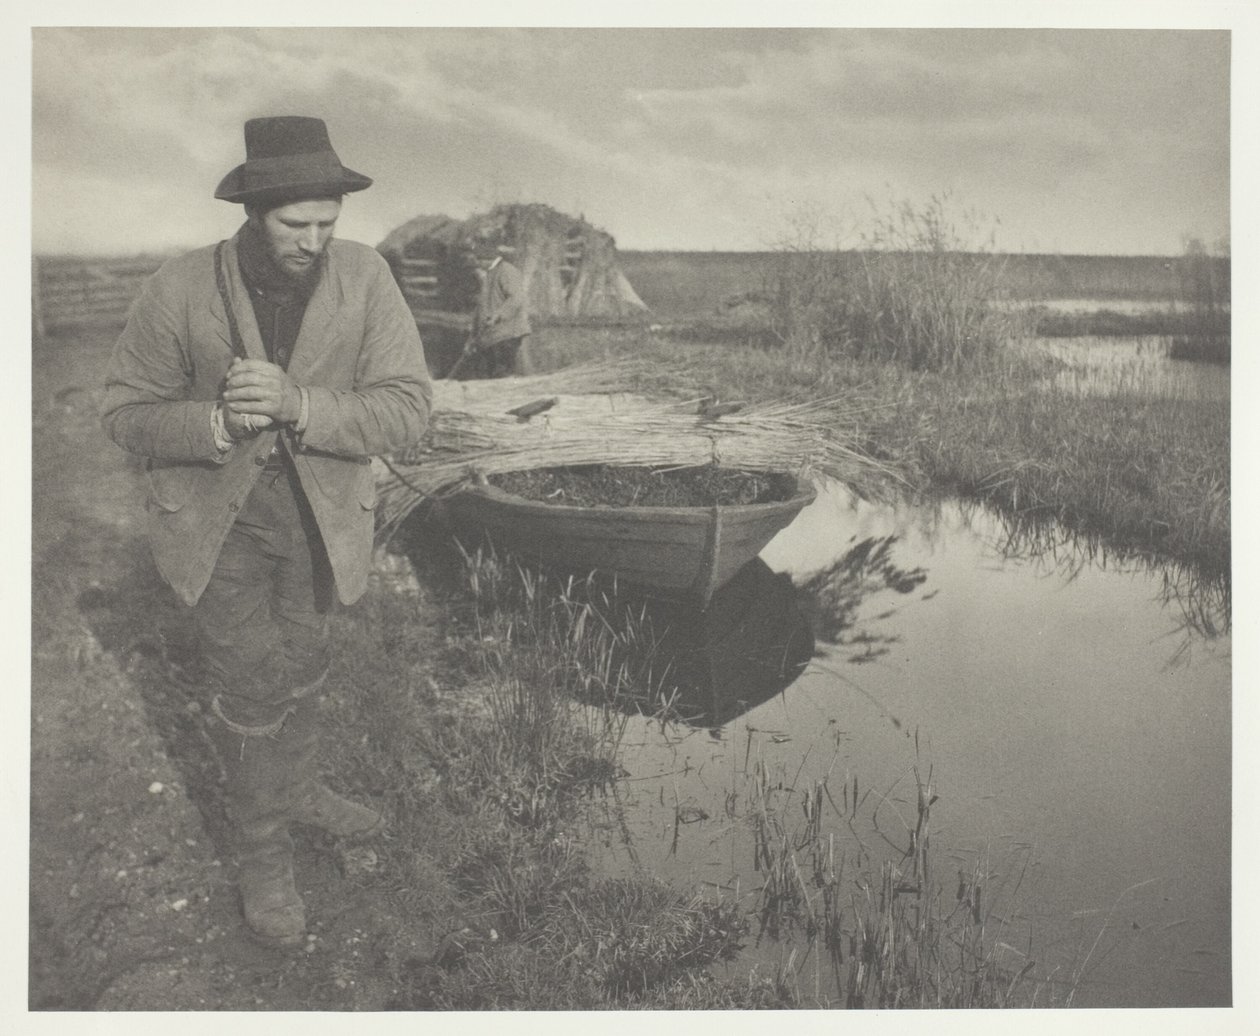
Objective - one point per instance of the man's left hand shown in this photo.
(258, 387)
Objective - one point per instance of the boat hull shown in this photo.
(687, 551)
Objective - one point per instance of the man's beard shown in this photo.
(302, 281)
(271, 272)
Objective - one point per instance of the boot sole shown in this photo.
(276, 942)
(363, 835)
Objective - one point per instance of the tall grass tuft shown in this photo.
(892, 933)
(547, 653)
(917, 291)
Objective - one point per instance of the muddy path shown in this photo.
(131, 901)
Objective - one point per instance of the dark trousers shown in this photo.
(262, 621)
(500, 360)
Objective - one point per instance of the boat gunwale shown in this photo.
(802, 497)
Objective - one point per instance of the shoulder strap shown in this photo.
(238, 347)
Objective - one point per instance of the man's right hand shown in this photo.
(243, 426)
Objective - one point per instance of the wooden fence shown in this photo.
(71, 292)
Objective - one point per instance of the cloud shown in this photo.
(932, 98)
(666, 136)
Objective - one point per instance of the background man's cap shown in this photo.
(288, 158)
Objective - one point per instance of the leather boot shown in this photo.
(314, 803)
(260, 792)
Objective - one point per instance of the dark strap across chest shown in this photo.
(220, 278)
(279, 317)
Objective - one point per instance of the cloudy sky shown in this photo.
(1111, 141)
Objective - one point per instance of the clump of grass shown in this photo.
(517, 880)
(1145, 475)
(643, 935)
(615, 944)
(916, 291)
(547, 652)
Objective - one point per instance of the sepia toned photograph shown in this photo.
(631, 519)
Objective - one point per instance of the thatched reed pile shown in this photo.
(569, 267)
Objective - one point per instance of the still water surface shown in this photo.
(1075, 725)
(1138, 365)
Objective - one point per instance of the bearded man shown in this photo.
(258, 377)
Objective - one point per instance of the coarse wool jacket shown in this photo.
(502, 309)
(358, 355)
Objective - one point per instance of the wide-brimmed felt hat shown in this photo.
(288, 158)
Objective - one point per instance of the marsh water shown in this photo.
(1139, 365)
(1070, 710)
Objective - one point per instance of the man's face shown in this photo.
(296, 234)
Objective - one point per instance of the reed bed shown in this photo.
(917, 293)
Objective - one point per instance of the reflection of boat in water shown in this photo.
(712, 665)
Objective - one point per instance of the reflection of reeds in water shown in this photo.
(831, 597)
(1202, 600)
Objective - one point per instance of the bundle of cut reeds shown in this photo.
(614, 428)
(500, 394)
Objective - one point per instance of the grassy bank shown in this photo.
(1126, 471)
(1185, 326)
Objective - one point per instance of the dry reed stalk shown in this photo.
(498, 395)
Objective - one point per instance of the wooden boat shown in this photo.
(683, 551)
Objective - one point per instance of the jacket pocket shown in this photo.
(169, 487)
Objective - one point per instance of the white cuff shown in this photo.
(218, 428)
(304, 412)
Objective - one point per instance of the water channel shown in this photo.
(1071, 711)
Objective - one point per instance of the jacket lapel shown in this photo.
(321, 320)
(242, 309)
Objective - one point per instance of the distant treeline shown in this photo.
(68, 291)
(675, 284)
